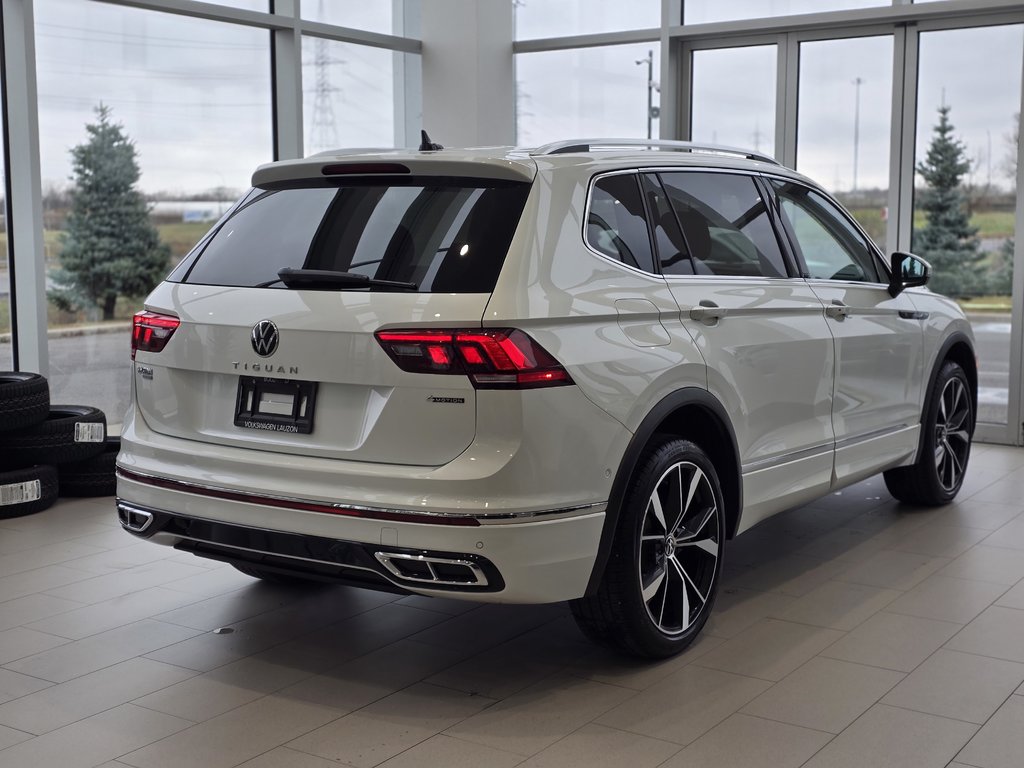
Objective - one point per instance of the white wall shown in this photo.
(468, 77)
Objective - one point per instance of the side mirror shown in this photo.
(907, 271)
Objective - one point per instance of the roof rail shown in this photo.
(590, 145)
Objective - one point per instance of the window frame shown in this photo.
(881, 264)
(793, 269)
(655, 178)
(591, 188)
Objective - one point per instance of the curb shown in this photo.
(71, 331)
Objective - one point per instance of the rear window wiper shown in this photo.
(325, 279)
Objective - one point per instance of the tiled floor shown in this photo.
(851, 632)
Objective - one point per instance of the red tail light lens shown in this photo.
(152, 331)
(493, 358)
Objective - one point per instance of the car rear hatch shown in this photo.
(278, 310)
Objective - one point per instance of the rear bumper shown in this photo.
(545, 449)
(388, 568)
(537, 561)
(525, 499)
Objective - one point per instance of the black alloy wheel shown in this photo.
(660, 582)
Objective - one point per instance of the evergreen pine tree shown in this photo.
(110, 247)
(1001, 271)
(948, 241)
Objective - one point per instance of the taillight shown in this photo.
(493, 358)
(152, 331)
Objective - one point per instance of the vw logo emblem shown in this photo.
(264, 338)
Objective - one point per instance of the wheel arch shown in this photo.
(693, 414)
(958, 348)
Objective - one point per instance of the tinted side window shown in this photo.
(831, 246)
(446, 235)
(616, 224)
(726, 224)
(673, 255)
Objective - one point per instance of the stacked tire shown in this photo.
(49, 450)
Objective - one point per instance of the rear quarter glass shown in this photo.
(446, 235)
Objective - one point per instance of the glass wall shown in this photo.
(704, 11)
(558, 18)
(733, 97)
(372, 16)
(6, 345)
(844, 122)
(586, 92)
(248, 5)
(348, 95)
(193, 97)
(967, 119)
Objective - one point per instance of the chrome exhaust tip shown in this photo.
(430, 570)
(132, 518)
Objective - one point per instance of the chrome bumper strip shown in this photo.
(422, 516)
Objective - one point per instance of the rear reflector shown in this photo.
(152, 331)
(493, 358)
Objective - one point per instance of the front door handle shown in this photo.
(837, 310)
(707, 312)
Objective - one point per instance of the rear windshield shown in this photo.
(445, 235)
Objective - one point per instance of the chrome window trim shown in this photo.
(754, 174)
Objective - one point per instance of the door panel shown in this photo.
(878, 339)
(771, 363)
(879, 374)
(763, 334)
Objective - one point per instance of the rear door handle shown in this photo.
(837, 310)
(707, 311)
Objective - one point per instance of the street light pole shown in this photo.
(857, 82)
(649, 61)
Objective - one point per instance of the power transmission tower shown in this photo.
(857, 83)
(323, 132)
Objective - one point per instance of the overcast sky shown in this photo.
(195, 95)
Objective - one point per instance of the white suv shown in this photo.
(527, 376)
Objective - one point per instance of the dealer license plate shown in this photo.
(275, 405)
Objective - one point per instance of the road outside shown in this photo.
(95, 369)
(992, 344)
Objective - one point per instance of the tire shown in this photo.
(947, 427)
(26, 491)
(24, 400)
(92, 477)
(659, 587)
(68, 434)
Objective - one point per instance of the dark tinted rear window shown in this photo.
(617, 225)
(445, 235)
